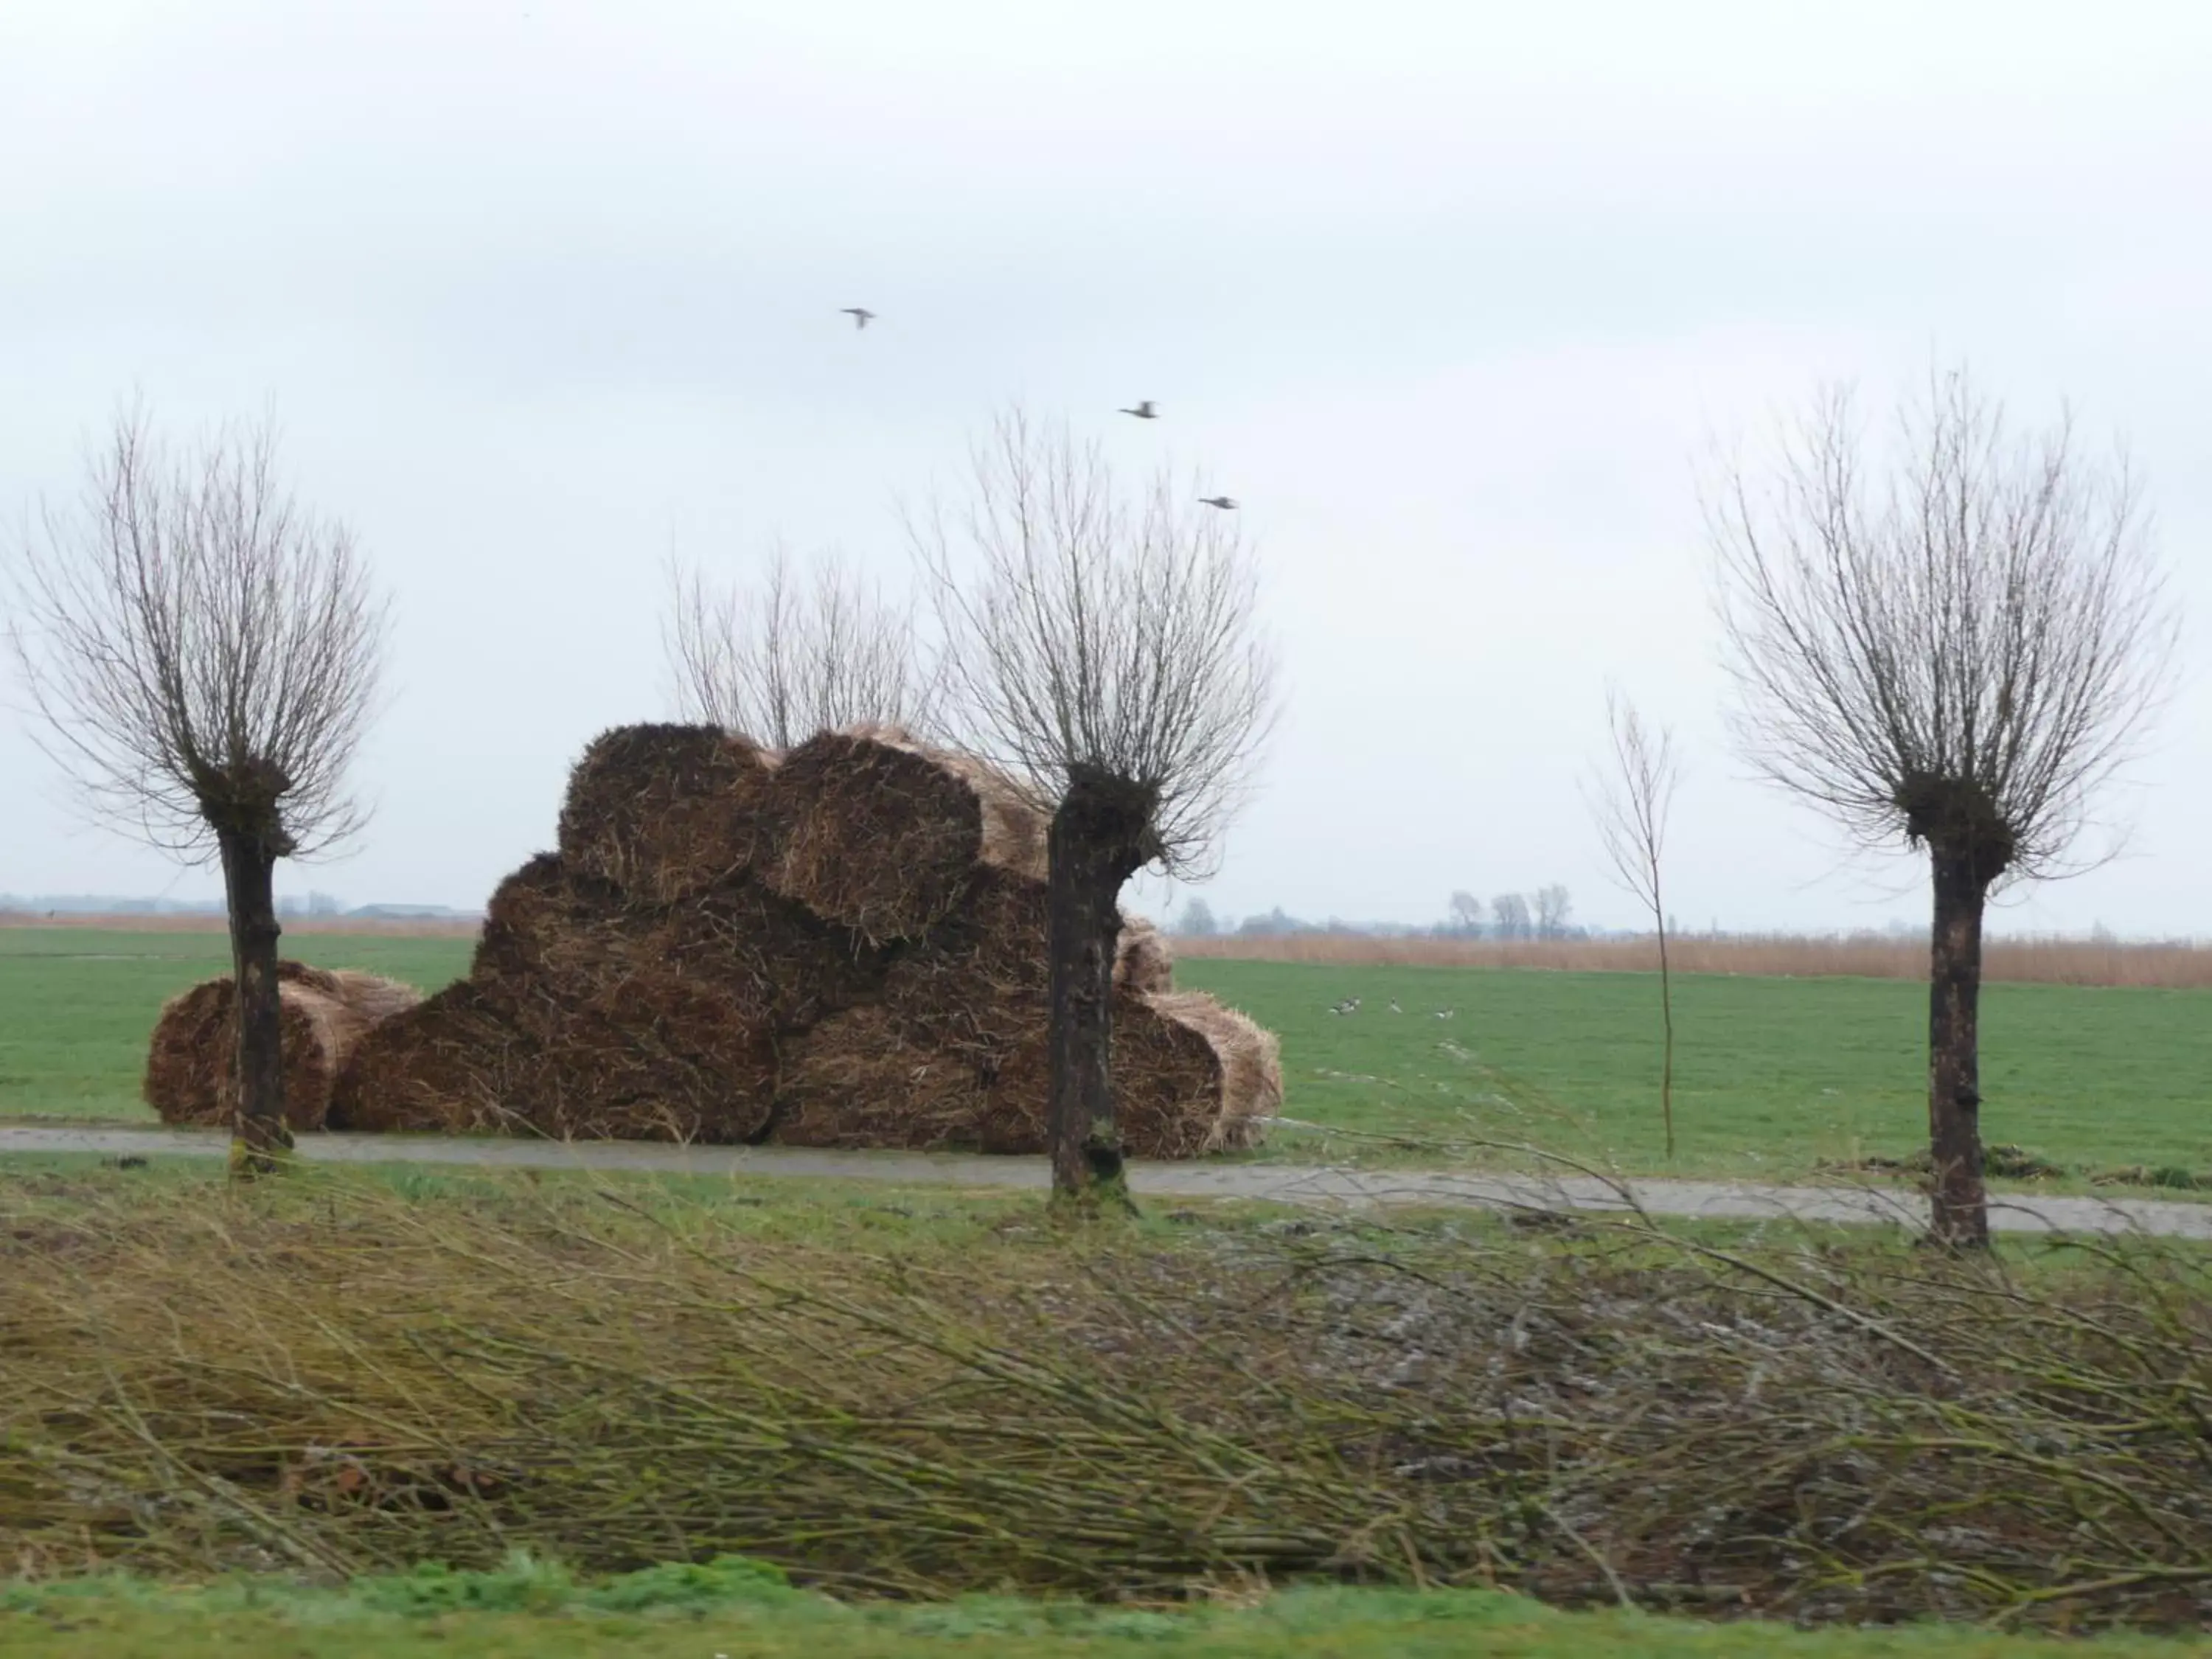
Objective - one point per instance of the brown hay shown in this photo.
(735, 960)
(460, 1064)
(443, 1067)
(884, 835)
(855, 1080)
(879, 980)
(663, 811)
(1144, 964)
(983, 969)
(1249, 1059)
(192, 1060)
(859, 1079)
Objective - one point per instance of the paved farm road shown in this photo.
(1280, 1183)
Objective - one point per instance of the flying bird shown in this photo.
(1443, 1013)
(861, 315)
(1226, 503)
(1142, 411)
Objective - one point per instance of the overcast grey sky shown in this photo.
(1451, 295)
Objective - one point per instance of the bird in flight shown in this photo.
(861, 315)
(1142, 411)
(1226, 503)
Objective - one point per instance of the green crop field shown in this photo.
(1772, 1075)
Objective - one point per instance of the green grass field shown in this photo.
(723, 1611)
(1772, 1075)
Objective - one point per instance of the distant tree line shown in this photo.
(1543, 914)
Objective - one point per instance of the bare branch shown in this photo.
(200, 651)
(1103, 634)
(783, 662)
(1983, 620)
(1631, 800)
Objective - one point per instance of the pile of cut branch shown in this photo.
(340, 1381)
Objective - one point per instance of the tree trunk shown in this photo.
(1667, 1060)
(259, 1136)
(1959, 1216)
(1097, 842)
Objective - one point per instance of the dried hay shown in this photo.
(731, 963)
(845, 947)
(855, 1080)
(1144, 962)
(191, 1062)
(884, 835)
(460, 1064)
(984, 970)
(444, 1066)
(663, 811)
(1249, 1059)
(859, 1079)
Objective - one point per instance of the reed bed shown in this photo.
(330, 1379)
(2175, 965)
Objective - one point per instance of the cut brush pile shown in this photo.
(841, 947)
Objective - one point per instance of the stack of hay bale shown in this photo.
(841, 947)
(191, 1065)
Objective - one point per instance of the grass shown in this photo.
(1775, 1076)
(733, 1606)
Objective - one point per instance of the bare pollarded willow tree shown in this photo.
(1954, 644)
(1631, 801)
(202, 655)
(1105, 646)
(790, 656)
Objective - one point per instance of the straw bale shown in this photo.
(856, 1080)
(460, 1064)
(983, 969)
(664, 812)
(859, 1079)
(1250, 1059)
(445, 1065)
(884, 835)
(192, 1060)
(734, 960)
(1144, 962)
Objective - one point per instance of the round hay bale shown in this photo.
(192, 1060)
(460, 1064)
(588, 1017)
(884, 835)
(983, 969)
(979, 977)
(1144, 962)
(1250, 1062)
(1168, 1086)
(1190, 1077)
(856, 1081)
(662, 812)
(734, 961)
(444, 1066)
